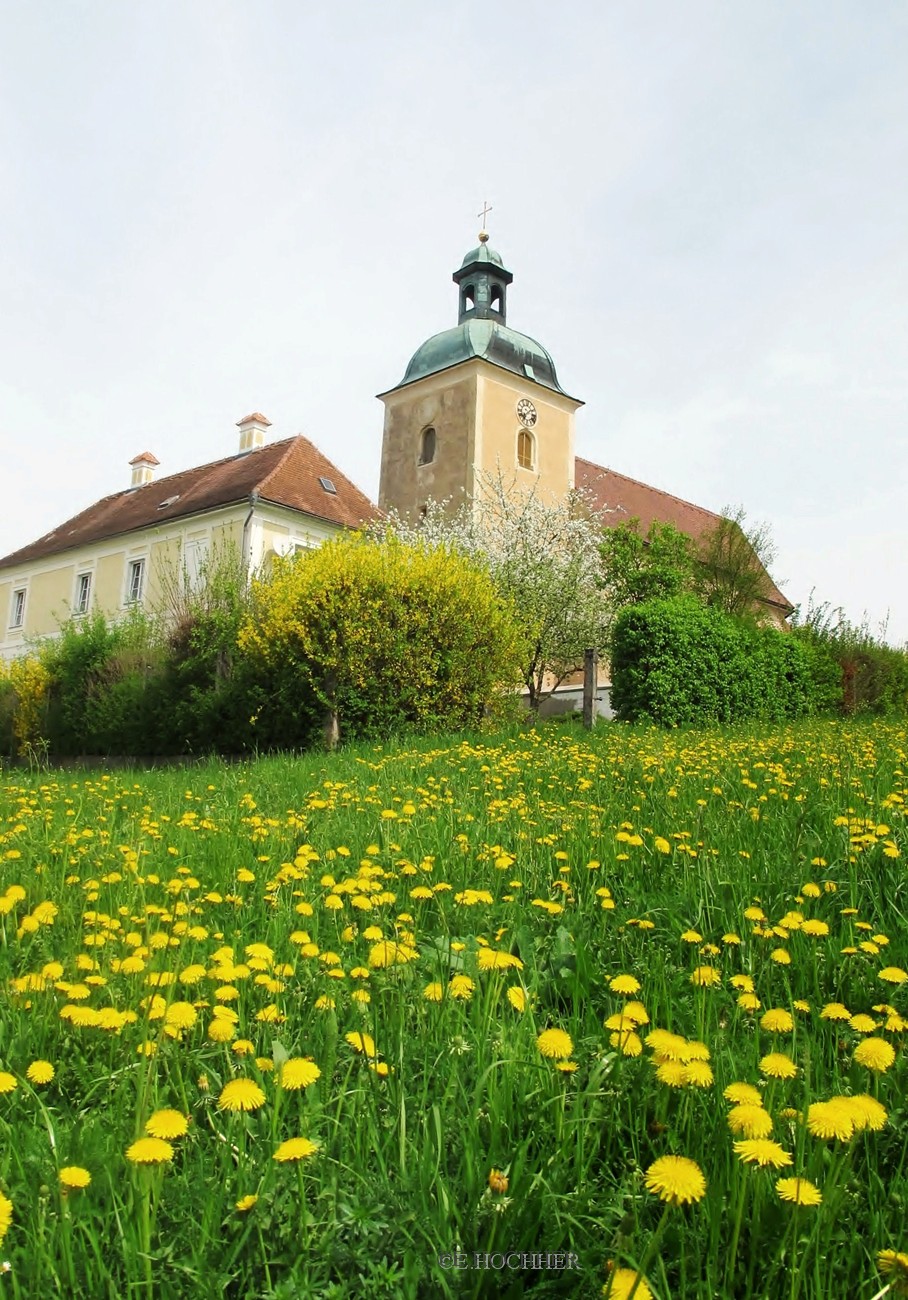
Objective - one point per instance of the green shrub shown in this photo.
(679, 663)
(384, 635)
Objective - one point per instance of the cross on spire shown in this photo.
(486, 209)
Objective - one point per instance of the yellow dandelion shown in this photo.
(167, 1124)
(362, 1043)
(777, 1021)
(625, 1282)
(461, 988)
(894, 1264)
(40, 1072)
(150, 1151)
(862, 1024)
(697, 1074)
(691, 936)
(555, 1044)
(763, 1152)
(875, 1054)
(705, 977)
(893, 975)
(865, 1112)
(835, 1011)
(830, 1119)
(798, 1191)
(672, 1073)
(626, 985)
(637, 1012)
(750, 1119)
(298, 1072)
(73, 1177)
(245, 1203)
(241, 1095)
(628, 1043)
(676, 1179)
(517, 998)
(8, 1082)
(6, 1215)
(433, 992)
(743, 1094)
(295, 1149)
(749, 1002)
(490, 959)
(816, 929)
(778, 1066)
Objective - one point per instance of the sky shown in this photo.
(208, 209)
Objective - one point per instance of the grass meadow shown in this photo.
(546, 1013)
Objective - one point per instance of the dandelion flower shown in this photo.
(705, 977)
(876, 1054)
(6, 1215)
(150, 1151)
(624, 1282)
(893, 1263)
(461, 988)
(555, 1044)
(627, 1042)
(637, 1012)
(245, 1203)
(625, 985)
(893, 975)
(749, 1002)
(298, 1073)
(777, 1021)
(666, 1044)
(672, 1073)
(517, 998)
(498, 1182)
(40, 1072)
(167, 1124)
(8, 1082)
(362, 1043)
(433, 992)
(750, 1119)
(835, 1011)
(763, 1152)
(830, 1119)
(241, 1094)
(698, 1074)
(799, 1191)
(295, 1149)
(743, 1094)
(490, 959)
(676, 1179)
(817, 929)
(865, 1112)
(691, 936)
(778, 1066)
(73, 1177)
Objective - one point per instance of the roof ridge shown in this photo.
(606, 469)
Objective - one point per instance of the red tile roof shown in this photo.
(286, 473)
(622, 498)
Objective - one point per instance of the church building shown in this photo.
(479, 399)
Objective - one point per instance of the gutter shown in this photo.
(247, 543)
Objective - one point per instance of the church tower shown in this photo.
(477, 400)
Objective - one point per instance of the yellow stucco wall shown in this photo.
(447, 403)
(109, 580)
(49, 597)
(553, 433)
(472, 408)
(6, 591)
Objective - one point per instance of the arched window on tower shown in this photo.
(468, 299)
(495, 299)
(525, 450)
(427, 446)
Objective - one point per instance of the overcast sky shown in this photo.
(213, 208)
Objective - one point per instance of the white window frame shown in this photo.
(17, 608)
(195, 557)
(81, 606)
(135, 589)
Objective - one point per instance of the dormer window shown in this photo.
(328, 486)
(427, 446)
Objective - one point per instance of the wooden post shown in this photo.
(590, 678)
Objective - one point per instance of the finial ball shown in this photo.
(483, 236)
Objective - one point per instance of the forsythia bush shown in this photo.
(679, 663)
(26, 682)
(387, 635)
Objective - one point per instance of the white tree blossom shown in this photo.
(544, 556)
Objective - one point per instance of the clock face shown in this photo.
(526, 412)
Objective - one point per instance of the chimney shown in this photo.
(252, 431)
(143, 467)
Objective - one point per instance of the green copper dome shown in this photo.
(494, 342)
(482, 329)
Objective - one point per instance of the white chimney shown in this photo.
(143, 467)
(252, 431)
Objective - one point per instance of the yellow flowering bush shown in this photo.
(388, 636)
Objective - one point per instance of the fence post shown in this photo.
(590, 676)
